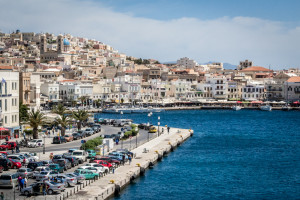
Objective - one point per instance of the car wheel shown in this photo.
(50, 191)
(26, 193)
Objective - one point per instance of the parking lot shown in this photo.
(62, 148)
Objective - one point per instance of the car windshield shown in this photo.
(54, 183)
(33, 141)
(56, 157)
(77, 153)
(44, 173)
(67, 136)
(70, 175)
(4, 143)
(22, 170)
(52, 166)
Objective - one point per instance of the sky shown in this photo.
(266, 32)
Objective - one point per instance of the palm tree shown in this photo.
(82, 99)
(98, 102)
(80, 116)
(59, 109)
(36, 119)
(63, 121)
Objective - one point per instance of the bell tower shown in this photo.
(43, 44)
(60, 43)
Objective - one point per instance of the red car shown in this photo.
(110, 160)
(7, 145)
(15, 164)
(103, 162)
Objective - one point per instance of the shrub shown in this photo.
(92, 144)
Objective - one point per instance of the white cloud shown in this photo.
(225, 39)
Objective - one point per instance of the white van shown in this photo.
(81, 155)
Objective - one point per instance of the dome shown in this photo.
(66, 42)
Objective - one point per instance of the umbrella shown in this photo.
(3, 129)
(238, 102)
(296, 102)
(256, 101)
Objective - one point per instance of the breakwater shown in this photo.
(146, 156)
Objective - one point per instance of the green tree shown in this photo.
(36, 119)
(122, 101)
(98, 102)
(80, 116)
(63, 121)
(82, 99)
(23, 112)
(59, 109)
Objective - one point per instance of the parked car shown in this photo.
(104, 169)
(96, 128)
(142, 126)
(82, 133)
(56, 158)
(76, 136)
(40, 169)
(28, 157)
(25, 172)
(7, 145)
(70, 151)
(114, 162)
(5, 163)
(47, 162)
(70, 181)
(34, 165)
(9, 180)
(15, 164)
(59, 140)
(35, 143)
(69, 138)
(65, 163)
(18, 158)
(125, 151)
(81, 155)
(45, 175)
(89, 131)
(1, 169)
(91, 153)
(87, 173)
(34, 189)
(79, 178)
(99, 171)
(103, 162)
(74, 161)
(56, 168)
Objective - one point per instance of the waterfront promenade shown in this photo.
(146, 155)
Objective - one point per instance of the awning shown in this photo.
(296, 102)
(256, 102)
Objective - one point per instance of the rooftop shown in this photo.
(294, 79)
(256, 68)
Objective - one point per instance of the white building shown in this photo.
(292, 89)
(219, 86)
(35, 94)
(253, 91)
(51, 90)
(9, 100)
(188, 63)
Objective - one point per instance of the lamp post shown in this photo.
(44, 146)
(158, 123)
(136, 130)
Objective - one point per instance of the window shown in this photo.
(12, 102)
(5, 119)
(5, 106)
(12, 119)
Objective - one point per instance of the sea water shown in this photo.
(246, 154)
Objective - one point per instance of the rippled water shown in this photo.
(233, 155)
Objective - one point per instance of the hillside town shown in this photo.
(42, 69)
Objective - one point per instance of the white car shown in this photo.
(101, 167)
(19, 158)
(81, 155)
(36, 143)
(31, 155)
(93, 169)
(38, 170)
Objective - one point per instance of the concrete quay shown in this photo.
(146, 156)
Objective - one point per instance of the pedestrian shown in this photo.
(168, 129)
(123, 159)
(117, 141)
(6, 139)
(12, 148)
(17, 149)
(24, 162)
(113, 169)
(51, 156)
(2, 196)
(44, 189)
(129, 158)
(19, 181)
(162, 130)
(41, 188)
(25, 182)
(21, 184)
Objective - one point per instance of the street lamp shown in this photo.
(158, 123)
(136, 130)
(44, 146)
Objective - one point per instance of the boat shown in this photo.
(110, 110)
(236, 108)
(286, 108)
(266, 108)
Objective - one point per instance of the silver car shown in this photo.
(45, 175)
(34, 189)
(71, 181)
(9, 180)
(25, 172)
(80, 178)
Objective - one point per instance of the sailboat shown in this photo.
(266, 107)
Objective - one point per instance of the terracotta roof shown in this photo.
(68, 80)
(6, 67)
(294, 79)
(256, 68)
